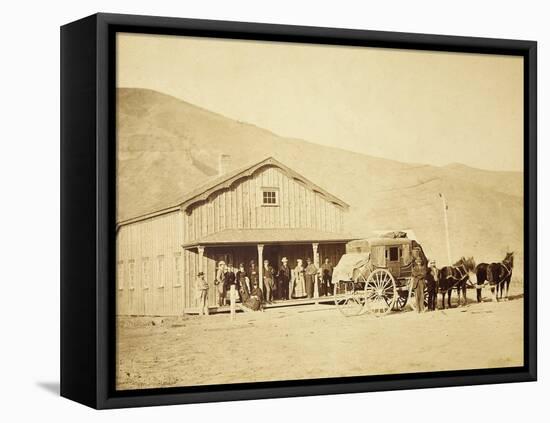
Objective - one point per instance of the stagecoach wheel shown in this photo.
(401, 300)
(360, 284)
(347, 299)
(380, 292)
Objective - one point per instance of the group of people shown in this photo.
(425, 279)
(285, 283)
(299, 282)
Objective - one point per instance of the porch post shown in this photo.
(200, 250)
(315, 246)
(261, 266)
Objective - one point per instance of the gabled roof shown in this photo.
(225, 181)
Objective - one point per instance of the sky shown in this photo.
(412, 106)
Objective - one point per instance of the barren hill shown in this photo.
(166, 147)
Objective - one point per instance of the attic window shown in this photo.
(270, 197)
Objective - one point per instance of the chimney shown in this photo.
(223, 163)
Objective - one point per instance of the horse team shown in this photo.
(497, 275)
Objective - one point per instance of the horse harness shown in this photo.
(463, 274)
(508, 270)
(508, 273)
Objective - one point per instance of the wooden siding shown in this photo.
(152, 248)
(155, 276)
(241, 207)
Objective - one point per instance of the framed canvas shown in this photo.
(259, 211)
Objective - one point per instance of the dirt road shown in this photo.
(315, 342)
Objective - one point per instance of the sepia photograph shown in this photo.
(289, 211)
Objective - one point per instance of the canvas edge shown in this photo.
(78, 312)
(105, 129)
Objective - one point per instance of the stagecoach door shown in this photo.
(393, 260)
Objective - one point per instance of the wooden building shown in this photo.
(263, 211)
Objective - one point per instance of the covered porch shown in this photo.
(245, 245)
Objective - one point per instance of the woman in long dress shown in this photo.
(243, 282)
(311, 276)
(298, 280)
(254, 301)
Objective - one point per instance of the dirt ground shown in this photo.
(316, 342)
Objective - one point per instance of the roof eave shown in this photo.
(147, 216)
(207, 191)
(196, 244)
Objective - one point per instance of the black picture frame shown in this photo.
(88, 209)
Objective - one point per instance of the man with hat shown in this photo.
(326, 277)
(283, 280)
(432, 285)
(230, 278)
(220, 282)
(201, 288)
(269, 284)
(419, 283)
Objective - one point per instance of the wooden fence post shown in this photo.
(233, 300)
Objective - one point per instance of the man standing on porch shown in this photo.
(311, 272)
(326, 275)
(269, 283)
(230, 278)
(201, 287)
(283, 280)
(220, 283)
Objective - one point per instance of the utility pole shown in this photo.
(445, 207)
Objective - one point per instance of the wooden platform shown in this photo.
(276, 304)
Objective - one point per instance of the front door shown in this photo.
(273, 254)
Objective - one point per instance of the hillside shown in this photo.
(166, 147)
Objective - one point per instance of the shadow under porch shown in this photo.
(211, 255)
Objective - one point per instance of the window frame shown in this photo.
(389, 253)
(161, 271)
(131, 274)
(145, 275)
(274, 190)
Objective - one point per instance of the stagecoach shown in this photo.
(374, 275)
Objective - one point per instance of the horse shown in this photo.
(481, 277)
(455, 276)
(499, 276)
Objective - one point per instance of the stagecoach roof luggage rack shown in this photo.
(365, 245)
(395, 233)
